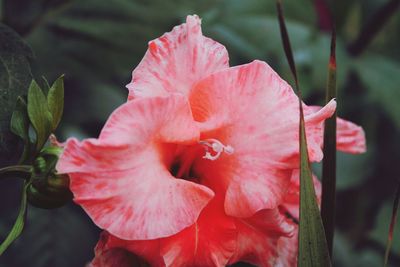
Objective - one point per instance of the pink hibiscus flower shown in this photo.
(194, 170)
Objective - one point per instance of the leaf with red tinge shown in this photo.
(313, 248)
(392, 224)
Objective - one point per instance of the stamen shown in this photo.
(217, 147)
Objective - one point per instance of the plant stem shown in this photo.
(20, 171)
(373, 26)
(328, 203)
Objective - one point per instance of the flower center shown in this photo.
(182, 166)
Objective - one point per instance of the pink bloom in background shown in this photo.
(199, 167)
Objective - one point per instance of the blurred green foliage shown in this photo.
(98, 43)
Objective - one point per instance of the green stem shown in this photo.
(20, 171)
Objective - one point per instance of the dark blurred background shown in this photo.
(97, 44)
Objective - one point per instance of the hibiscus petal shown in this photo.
(140, 203)
(121, 179)
(315, 128)
(251, 109)
(132, 128)
(258, 237)
(350, 137)
(176, 61)
(287, 250)
(211, 241)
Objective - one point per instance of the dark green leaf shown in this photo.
(15, 76)
(18, 225)
(55, 101)
(39, 114)
(20, 120)
(313, 248)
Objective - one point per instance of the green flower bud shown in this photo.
(50, 192)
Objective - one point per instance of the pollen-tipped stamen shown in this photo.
(217, 147)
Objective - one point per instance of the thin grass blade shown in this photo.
(392, 225)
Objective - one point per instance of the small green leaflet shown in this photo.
(39, 114)
(55, 101)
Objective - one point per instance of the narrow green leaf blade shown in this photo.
(20, 119)
(55, 101)
(392, 225)
(328, 204)
(39, 114)
(313, 248)
(18, 225)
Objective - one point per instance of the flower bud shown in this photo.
(49, 192)
(48, 189)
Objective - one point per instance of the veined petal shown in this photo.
(254, 191)
(314, 123)
(258, 237)
(287, 250)
(211, 241)
(251, 109)
(145, 202)
(132, 129)
(121, 179)
(350, 137)
(176, 61)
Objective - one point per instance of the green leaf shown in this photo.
(313, 248)
(15, 76)
(39, 114)
(20, 120)
(18, 225)
(55, 101)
